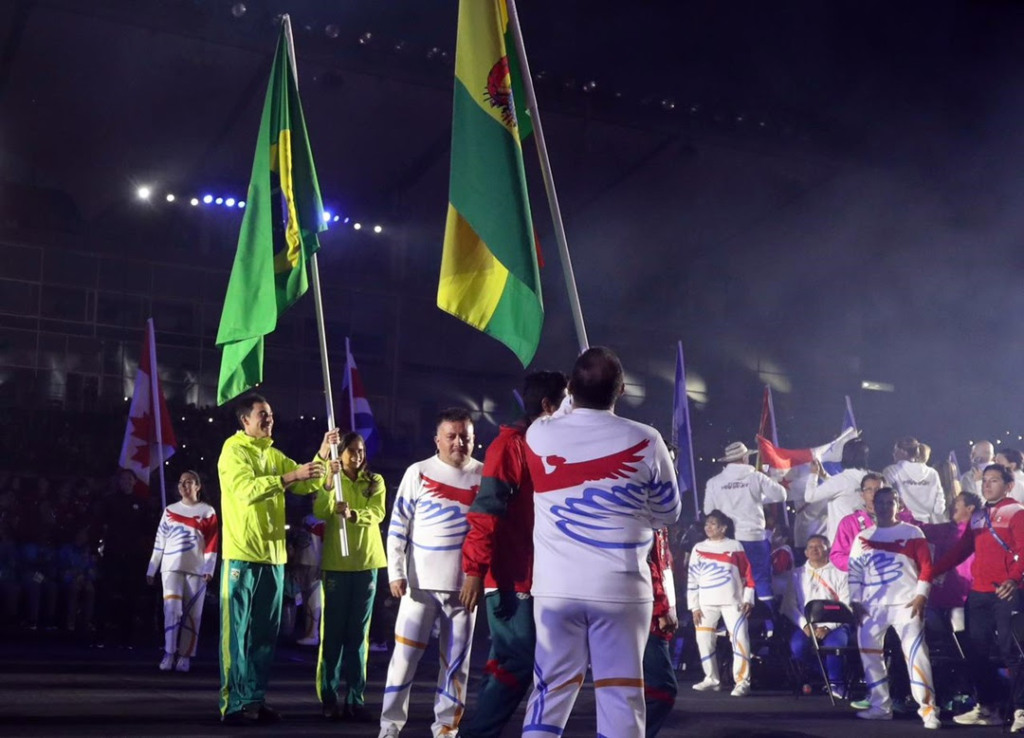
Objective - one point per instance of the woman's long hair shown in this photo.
(347, 439)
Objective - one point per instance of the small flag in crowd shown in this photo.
(786, 458)
(767, 427)
(848, 420)
(145, 435)
(955, 470)
(682, 431)
(283, 215)
(360, 416)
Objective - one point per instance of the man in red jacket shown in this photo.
(996, 537)
(660, 686)
(497, 557)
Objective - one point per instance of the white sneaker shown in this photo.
(932, 722)
(741, 690)
(389, 731)
(182, 664)
(167, 662)
(980, 715)
(708, 685)
(311, 641)
(1018, 722)
(875, 713)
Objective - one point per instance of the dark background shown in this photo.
(807, 194)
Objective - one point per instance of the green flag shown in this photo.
(489, 274)
(283, 215)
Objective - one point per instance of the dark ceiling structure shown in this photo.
(806, 194)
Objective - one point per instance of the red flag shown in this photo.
(782, 458)
(143, 436)
(767, 427)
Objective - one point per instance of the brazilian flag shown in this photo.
(489, 274)
(283, 215)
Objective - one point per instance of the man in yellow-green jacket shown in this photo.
(253, 479)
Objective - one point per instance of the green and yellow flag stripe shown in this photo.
(489, 275)
(283, 215)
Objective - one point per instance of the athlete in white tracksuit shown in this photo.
(185, 552)
(890, 578)
(424, 546)
(919, 489)
(602, 484)
(720, 585)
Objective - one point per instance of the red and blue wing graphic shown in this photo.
(550, 473)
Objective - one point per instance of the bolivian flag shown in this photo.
(283, 215)
(489, 275)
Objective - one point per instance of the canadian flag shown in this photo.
(149, 436)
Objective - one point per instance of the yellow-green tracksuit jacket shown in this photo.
(252, 499)
(365, 494)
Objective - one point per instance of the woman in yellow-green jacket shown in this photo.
(349, 582)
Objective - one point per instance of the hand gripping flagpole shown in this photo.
(321, 332)
(549, 180)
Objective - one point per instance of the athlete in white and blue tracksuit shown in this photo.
(424, 547)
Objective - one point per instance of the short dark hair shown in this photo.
(887, 491)
(872, 476)
(596, 379)
(539, 386)
(725, 521)
(855, 454)
(245, 403)
(1012, 455)
(453, 415)
(971, 500)
(1005, 473)
(819, 536)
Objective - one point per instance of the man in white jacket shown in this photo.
(842, 491)
(602, 484)
(424, 545)
(741, 492)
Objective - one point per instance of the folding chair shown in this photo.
(830, 612)
(1017, 631)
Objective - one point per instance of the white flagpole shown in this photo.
(154, 401)
(321, 330)
(549, 180)
(351, 390)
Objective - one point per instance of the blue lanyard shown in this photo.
(1000, 541)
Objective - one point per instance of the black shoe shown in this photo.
(262, 714)
(238, 717)
(360, 714)
(332, 712)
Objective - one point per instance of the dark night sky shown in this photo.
(829, 188)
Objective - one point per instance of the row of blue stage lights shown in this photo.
(146, 193)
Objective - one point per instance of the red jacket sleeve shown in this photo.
(211, 533)
(503, 465)
(923, 558)
(746, 572)
(1017, 530)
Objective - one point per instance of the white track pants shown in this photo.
(610, 637)
(871, 637)
(707, 638)
(183, 611)
(417, 613)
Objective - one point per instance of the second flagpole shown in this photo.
(549, 180)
